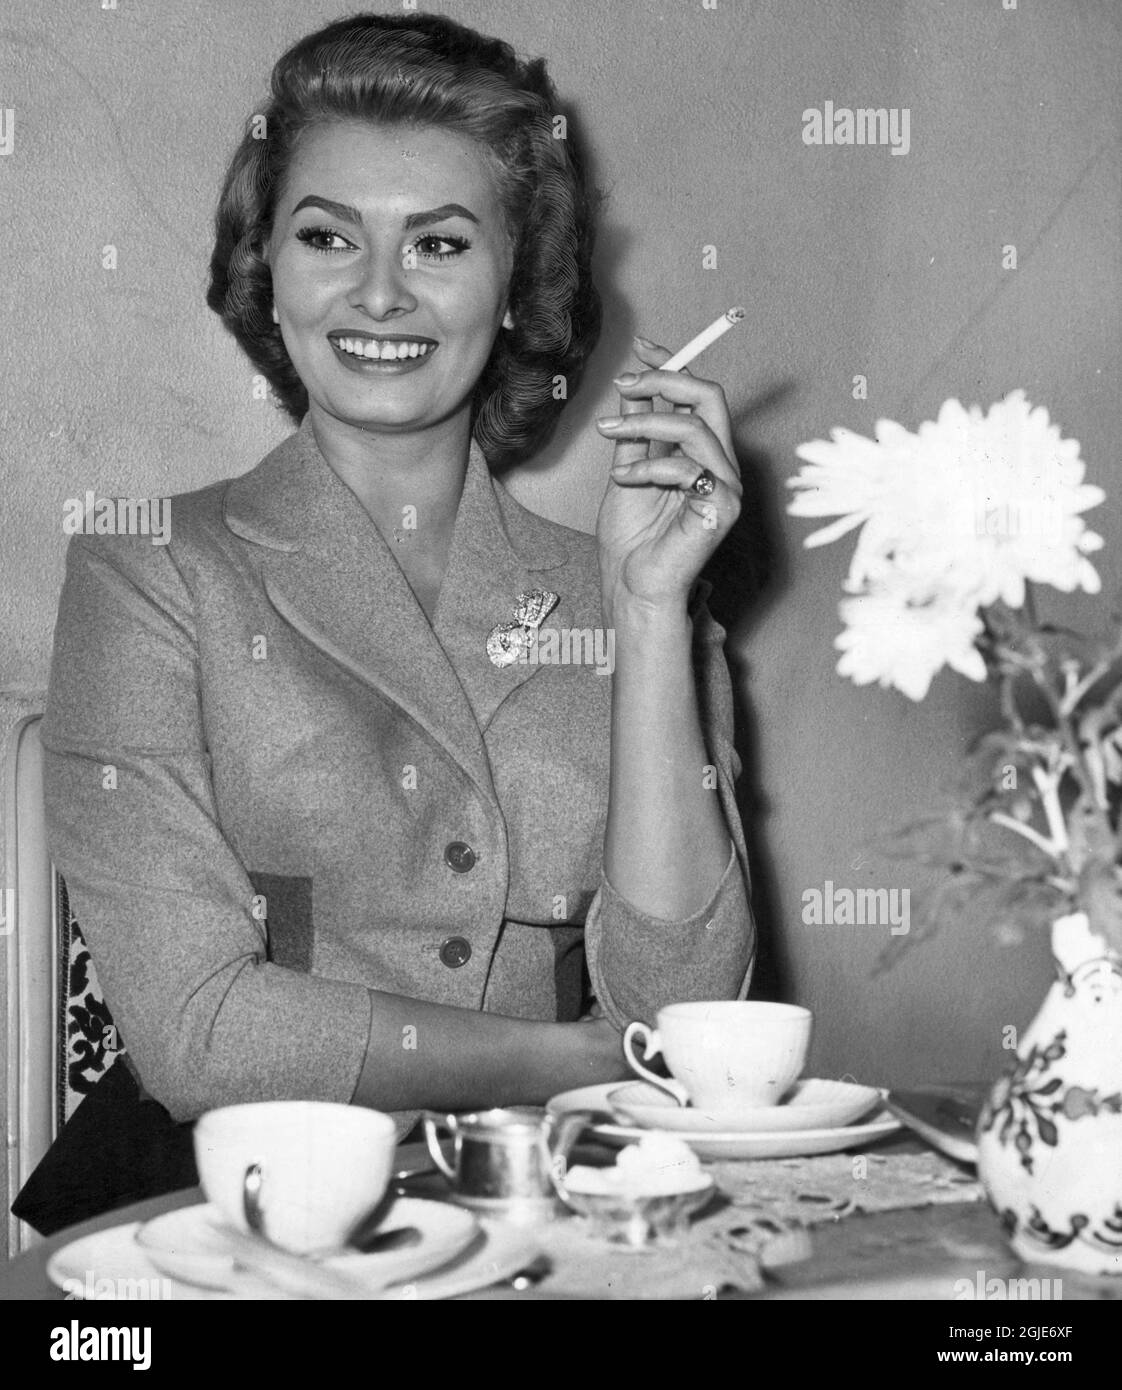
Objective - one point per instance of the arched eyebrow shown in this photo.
(346, 213)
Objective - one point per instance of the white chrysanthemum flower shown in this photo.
(971, 505)
(905, 644)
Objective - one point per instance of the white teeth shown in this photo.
(383, 352)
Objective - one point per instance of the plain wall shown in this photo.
(850, 261)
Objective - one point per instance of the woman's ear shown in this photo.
(276, 316)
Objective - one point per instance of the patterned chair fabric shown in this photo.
(109, 1144)
(82, 1137)
(88, 1039)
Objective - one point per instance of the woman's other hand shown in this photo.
(655, 533)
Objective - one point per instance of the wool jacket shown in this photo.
(274, 787)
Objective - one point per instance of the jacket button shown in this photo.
(459, 857)
(455, 952)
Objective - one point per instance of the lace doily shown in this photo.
(805, 1191)
(762, 1221)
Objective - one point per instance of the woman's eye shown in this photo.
(426, 247)
(315, 236)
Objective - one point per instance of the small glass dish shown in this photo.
(637, 1222)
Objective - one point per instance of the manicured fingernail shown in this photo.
(644, 342)
(609, 422)
(627, 379)
(618, 469)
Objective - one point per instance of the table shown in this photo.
(917, 1254)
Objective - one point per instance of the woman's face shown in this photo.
(389, 236)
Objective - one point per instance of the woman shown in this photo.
(331, 827)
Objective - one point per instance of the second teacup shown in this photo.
(322, 1167)
(724, 1055)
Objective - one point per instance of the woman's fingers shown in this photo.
(679, 387)
(686, 409)
(628, 450)
(689, 432)
(722, 504)
(687, 394)
(635, 402)
(653, 354)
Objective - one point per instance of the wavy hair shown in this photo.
(424, 70)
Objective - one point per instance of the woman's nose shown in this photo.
(383, 284)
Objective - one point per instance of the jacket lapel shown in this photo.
(328, 572)
(499, 551)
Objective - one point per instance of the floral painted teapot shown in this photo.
(1050, 1133)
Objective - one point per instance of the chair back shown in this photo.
(60, 1036)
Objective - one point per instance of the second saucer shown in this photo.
(811, 1104)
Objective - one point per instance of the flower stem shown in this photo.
(1047, 785)
(1052, 850)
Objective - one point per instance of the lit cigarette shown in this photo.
(704, 339)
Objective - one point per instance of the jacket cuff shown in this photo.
(366, 1088)
(638, 964)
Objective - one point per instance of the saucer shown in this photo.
(795, 1143)
(812, 1104)
(192, 1246)
(112, 1264)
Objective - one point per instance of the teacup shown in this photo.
(323, 1167)
(724, 1055)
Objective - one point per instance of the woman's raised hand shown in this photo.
(654, 531)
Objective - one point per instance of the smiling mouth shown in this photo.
(383, 349)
